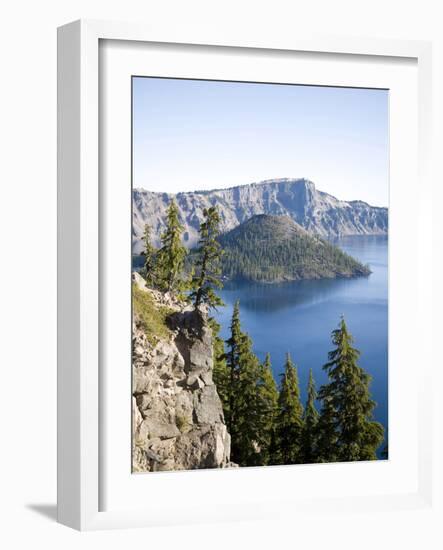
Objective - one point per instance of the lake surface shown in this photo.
(298, 317)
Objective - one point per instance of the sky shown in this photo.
(191, 135)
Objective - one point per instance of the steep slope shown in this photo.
(177, 416)
(275, 248)
(314, 210)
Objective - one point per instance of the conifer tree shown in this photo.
(347, 431)
(244, 409)
(327, 432)
(149, 253)
(233, 344)
(171, 255)
(220, 368)
(250, 449)
(310, 421)
(269, 409)
(289, 423)
(207, 274)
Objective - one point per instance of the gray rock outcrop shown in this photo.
(317, 212)
(178, 421)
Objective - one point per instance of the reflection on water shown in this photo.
(265, 298)
(298, 317)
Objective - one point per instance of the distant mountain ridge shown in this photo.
(317, 212)
(274, 249)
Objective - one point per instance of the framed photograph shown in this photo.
(242, 235)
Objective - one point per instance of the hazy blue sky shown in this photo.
(191, 135)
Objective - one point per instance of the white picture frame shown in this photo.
(80, 205)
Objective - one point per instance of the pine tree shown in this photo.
(232, 361)
(249, 446)
(149, 253)
(244, 414)
(269, 408)
(310, 421)
(327, 433)
(220, 368)
(346, 427)
(289, 423)
(171, 255)
(208, 271)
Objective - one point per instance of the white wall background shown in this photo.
(28, 272)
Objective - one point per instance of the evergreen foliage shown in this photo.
(221, 373)
(207, 275)
(249, 409)
(310, 422)
(269, 403)
(149, 258)
(268, 426)
(327, 435)
(233, 345)
(171, 256)
(274, 248)
(248, 400)
(347, 431)
(289, 422)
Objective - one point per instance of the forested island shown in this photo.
(275, 249)
(200, 401)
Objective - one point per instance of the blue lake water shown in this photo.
(298, 317)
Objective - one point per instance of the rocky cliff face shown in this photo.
(178, 419)
(314, 210)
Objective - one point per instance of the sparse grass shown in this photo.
(152, 317)
(182, 423)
